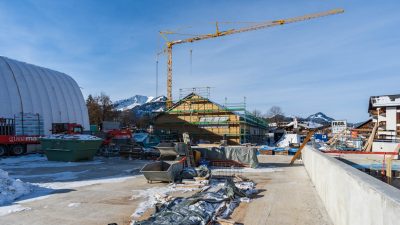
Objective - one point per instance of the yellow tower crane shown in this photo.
(219, 33)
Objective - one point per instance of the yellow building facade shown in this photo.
(209, 122)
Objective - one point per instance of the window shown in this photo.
(398, 118)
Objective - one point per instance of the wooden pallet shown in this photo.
(266, 152)
(284, 152)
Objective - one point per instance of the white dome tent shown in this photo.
(26, 88)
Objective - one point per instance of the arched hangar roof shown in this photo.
(33, 89)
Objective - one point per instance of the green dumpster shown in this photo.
(70, 150)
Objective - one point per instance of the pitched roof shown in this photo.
(383, 101)
(246, 116)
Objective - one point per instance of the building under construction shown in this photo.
(210, 122)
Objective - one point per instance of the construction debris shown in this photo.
(239, 155)
(215, 203)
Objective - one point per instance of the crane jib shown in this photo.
(229, 32)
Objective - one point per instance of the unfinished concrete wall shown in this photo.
(349, 195)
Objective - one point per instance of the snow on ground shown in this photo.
(44, 190)
(150, 195)
(76, 184)
(11, 189)
(260, 170)
(239, 170)
(12, 209)
(62, 176)
(287, 139)
(155, 195)
(74, 204)
(39, 161)
(72, 137)
(49, 177)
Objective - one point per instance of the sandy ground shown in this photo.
(101, 192)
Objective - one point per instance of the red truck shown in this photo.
(15, 141)
(10, 142)
(66, 128)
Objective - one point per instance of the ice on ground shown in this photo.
(4, 210)
(151, 195)
(76, 184)
(260, 170)
(74, 204)
(11, 189)
(39, 161)
(72, 137)
(62, 176)
(246, 170)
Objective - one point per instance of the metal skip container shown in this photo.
(70, 150)
(162, 171)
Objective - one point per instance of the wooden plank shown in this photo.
(306, 140)
(389, 169)
(368, 145)
(225, 222)
(389, 173)
(335, 137)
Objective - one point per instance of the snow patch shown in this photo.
(76, 184)
(5, 210)
(39, 161)
(11, 189)
(287, 139)
(74, 204)
(260, 170)
(85, 137)
(247, 170)
(62, 176)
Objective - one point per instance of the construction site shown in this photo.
(193, 159)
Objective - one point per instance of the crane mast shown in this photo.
(218, 33)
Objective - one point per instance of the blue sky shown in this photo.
(331, 64)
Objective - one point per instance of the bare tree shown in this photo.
(256, 113)
(275, 115)
(274, 111)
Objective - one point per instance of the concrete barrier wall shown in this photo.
(350, 196)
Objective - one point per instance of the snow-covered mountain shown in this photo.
(132, 102)
(141, 105)
(153, 106)
(320, 118)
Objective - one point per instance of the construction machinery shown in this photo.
(66, 128)
(113, 140)
(218, 33)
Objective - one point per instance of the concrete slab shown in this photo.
(101, 192)
(287, 196)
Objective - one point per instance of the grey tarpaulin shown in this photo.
(242, 154)
(198, 209)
